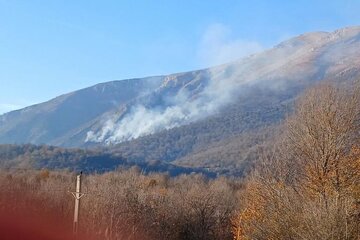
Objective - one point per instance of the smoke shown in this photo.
(184, 107)
(140, 121)
(188, 104)
(218, 46)
(199, 94)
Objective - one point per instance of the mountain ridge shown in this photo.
(195, 110)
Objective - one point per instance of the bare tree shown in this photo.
(306, 187)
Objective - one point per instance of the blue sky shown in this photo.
(50, 47)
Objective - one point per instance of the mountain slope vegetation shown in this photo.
(211, 118)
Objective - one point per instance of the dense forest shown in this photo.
(305, 184)
(30, 156)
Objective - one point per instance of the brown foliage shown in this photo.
(308, 187)
(127, 204)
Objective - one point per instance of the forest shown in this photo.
(28, 156)
(304, 184)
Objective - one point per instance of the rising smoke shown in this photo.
(182, 108)
(185, 106)
(274, 69)
(218, 46)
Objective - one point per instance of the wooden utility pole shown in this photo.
(77, 195)
(77, 203)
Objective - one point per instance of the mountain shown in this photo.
(211, 118)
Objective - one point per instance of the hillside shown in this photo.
(24, 157)
(192, 118)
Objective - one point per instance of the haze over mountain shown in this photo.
(187, 116)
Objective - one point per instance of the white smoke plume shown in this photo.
(290, 62)
(182, 108)
(216, 46)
